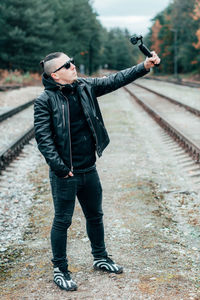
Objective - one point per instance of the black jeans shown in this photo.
(87, 188)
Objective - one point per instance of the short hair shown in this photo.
(48, 63)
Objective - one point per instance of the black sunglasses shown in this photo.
(66, 65)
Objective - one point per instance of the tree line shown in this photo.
(175, 35)
(30, 29)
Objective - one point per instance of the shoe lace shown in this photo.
(109, 259)
(67, 274)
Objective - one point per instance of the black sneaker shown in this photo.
(63, 280)
(106, 264)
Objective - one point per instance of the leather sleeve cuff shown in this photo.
(141, 69)
(62, 173)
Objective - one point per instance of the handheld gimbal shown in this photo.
(134, 39)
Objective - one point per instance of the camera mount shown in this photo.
(134, 40)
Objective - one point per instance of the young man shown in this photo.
(69, 130)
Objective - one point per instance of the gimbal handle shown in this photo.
(145, 50)
(134, 39)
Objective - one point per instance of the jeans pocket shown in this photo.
(65, 183)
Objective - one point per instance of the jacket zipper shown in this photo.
(93, 129)
(97, 144)
(63, 113)
(70, 142)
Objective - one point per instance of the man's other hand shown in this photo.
(70, 174)
(150, 62)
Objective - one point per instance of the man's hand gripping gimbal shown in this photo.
(134, 40)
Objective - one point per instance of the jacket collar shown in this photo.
(50, 84)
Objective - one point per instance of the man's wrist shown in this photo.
(146, 66)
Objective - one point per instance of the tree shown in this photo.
(177, 28)
(186, 27)
(196, 17)
(161, 39)
(118, 51)
(77, 31)
(26, 32)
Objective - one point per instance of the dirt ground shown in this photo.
(149, 202)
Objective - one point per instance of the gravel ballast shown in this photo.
(151, 218)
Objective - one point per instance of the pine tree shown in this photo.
(26, 32)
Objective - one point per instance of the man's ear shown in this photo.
(54, 76)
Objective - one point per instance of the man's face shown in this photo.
(64, 76)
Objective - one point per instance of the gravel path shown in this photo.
(17, 97)
(17, 196)
(184, 94)
(151, 219)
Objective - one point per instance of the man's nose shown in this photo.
(72, 66)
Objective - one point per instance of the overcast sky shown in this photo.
(135, 15)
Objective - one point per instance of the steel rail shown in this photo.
(193, 110)
(4, 88)
(183, 83)
(7, 155)
(185, 142)
(15, 110)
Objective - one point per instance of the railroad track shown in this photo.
(183, 126)
(185, 140)
(173, 81)
(4, 88)
(15, 132)
(179, 82)
(13, 150)
(191, 109)
(15, 110)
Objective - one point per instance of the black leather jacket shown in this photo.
(52, 120)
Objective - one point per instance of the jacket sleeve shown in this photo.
(113, 82)
(44, 137)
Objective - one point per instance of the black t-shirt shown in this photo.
(82, 141)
